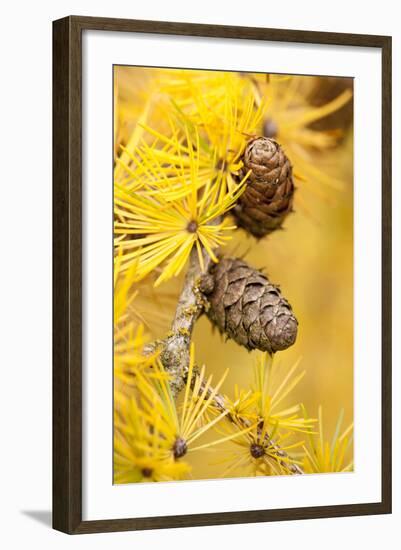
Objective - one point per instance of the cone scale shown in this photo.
(268, 197)
(246, 307)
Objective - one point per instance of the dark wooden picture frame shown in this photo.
(67, 274)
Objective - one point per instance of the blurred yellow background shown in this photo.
(311, 260)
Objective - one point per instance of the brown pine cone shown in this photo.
(246, 307)
(269, 192)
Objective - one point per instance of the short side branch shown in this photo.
(282, 456)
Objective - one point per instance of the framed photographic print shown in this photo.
(222, 275)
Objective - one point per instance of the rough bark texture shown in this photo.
(268, 196)
(246, 307)
(175, 349)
